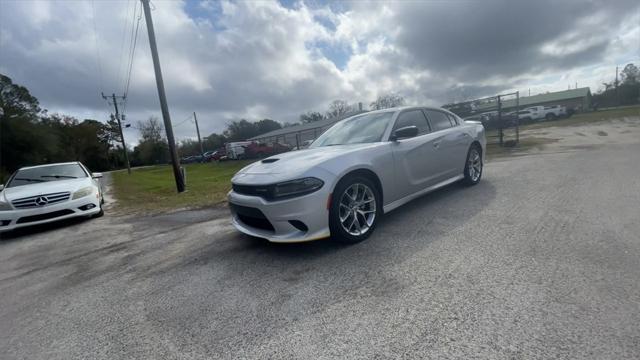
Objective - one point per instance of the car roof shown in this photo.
(45, 165)
(402, 108)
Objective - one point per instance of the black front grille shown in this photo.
(252, 217)
(5, 222)
(40, 200)
(264, 191)
(44, 216)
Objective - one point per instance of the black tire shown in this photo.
(338, 233)
(471, 177)
(550, 116)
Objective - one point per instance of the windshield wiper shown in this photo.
(60, 176)
(30, 179)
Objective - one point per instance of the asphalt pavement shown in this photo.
(540, 260)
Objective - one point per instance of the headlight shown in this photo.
(296, 187)
(83, 192)
(5, 206)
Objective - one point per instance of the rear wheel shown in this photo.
(550, 116)
(355, 209)
(473, 166)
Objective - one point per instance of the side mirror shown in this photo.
(1, 187)
(96, 175)
(404, 132)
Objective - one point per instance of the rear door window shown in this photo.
(453, 119)
(438, 120)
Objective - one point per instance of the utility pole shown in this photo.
(198, 131)
(175, 161)
(617, 96)
(124, 147)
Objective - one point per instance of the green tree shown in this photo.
(311, 116)
(265, 125)
(339, 108)
(240, 130)
(153, 147)
(387, 101)
(213, 141)
(630, 74)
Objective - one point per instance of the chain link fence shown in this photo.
(499, 114)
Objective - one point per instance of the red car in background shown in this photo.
(260, 150)
(214, 155)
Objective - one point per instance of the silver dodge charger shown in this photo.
(357, 170)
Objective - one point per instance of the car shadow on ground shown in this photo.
(23, 233)
(397, 228)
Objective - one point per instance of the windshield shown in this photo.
(367, 128)
(46, 173)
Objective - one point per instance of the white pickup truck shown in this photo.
(550, 112)
(235, 150)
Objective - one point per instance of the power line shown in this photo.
(132, 47)
(124, 36)
(184, 121)
(95, 39)
(98, 55)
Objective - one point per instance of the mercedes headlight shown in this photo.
(83, 192)
(296, 187)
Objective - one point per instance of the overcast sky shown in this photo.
(254, 60)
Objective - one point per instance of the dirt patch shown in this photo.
(572, 137)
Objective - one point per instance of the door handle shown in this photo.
(436, 144)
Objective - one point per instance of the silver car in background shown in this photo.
(360, 168)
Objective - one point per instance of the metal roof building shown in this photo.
(296, 135)
(576, 99)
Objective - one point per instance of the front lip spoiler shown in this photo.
(277, 239)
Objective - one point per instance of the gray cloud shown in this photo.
(475, 40)
(260, 59)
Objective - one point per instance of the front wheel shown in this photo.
(355, 209)
(473, 166)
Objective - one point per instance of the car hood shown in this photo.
(19, 192)
(289, 165)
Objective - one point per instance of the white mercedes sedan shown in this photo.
(41, 194)
(359, 169)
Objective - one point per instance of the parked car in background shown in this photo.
(260, 150)
(359, 169)
(41, 194)
(235, 150)
(491, 120)
(550, 112)
(214, 155)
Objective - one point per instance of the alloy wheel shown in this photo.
(474, 164)
(357, 209)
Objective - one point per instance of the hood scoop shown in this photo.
(269, 161)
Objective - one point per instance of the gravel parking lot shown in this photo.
(540, 260)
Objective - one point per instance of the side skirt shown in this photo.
(396, 204)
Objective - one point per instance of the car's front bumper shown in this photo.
(309, 209)
(13, 219)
